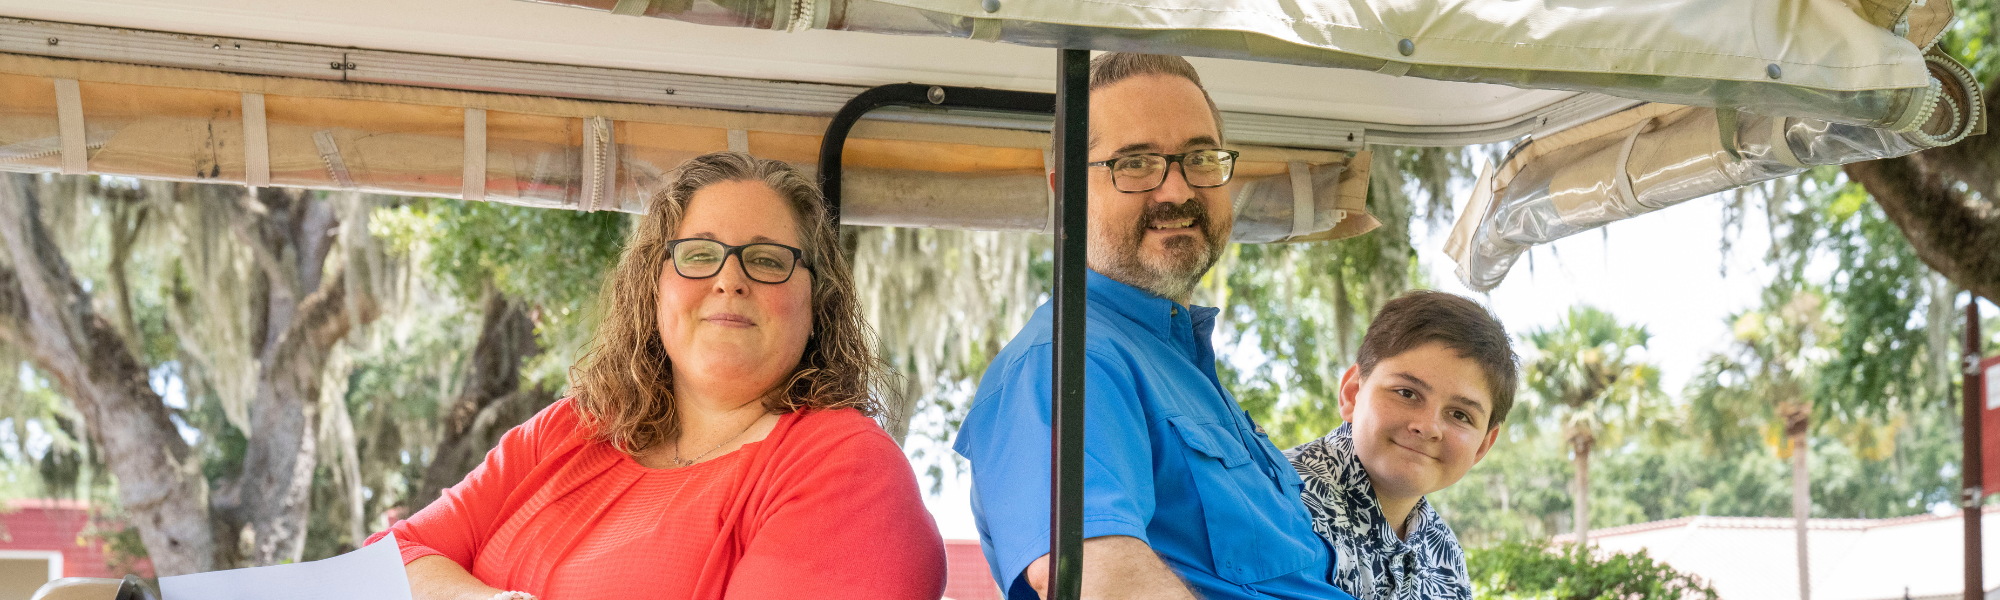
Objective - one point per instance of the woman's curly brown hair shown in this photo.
(624, 384)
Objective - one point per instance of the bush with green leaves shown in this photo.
(1519, 570)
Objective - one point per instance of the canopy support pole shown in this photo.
(1070, 104)
(834, 142)
(1971, 495)
(1071, 143)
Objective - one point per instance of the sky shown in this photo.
(1663, 270)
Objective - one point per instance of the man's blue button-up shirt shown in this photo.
(1168, 456)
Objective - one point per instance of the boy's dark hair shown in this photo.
(1423, 316)
(1113, 67)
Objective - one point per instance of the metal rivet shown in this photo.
(1774, 71)
(935, 95)
(218, 46)
(53, 41)
(1406, 47)
(991, 6)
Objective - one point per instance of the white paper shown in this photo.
(374, 572)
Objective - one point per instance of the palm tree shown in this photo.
(1764, 382)
(1587, 383)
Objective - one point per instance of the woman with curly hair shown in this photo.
(718, 443)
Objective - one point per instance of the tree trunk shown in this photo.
(1801, 511)
(291, 233)
(1949, 230)
(276, 483)
(1581, 522)
(492, 401)
(45, 312)
(1797, 420)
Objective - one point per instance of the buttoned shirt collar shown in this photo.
(1185, 328)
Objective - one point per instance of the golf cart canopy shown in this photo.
(582, 104)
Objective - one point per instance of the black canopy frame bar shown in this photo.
(1070, 106)
(834, 143)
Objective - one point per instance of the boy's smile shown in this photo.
(1419, 423)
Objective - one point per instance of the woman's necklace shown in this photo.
(678, 462)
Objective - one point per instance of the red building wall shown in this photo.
(38, 524)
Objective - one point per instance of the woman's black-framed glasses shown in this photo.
(702, 258)
(1135, 173)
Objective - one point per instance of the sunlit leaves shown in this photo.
(1534, 569)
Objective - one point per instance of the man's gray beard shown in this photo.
(1173, 277)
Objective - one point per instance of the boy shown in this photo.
(1434, 379)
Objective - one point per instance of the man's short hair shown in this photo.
(1423, 316)
(1112, 67)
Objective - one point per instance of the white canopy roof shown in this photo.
(546, 33)
(1746, 89)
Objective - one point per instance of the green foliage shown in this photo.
(41, 431)
(943, 303)
(1878, 359)
(555, 260)
(1586, 380)
(1973, 38)
(1304, 307)
(1765, 378)
(1518, 491)
(122, 547)
(1511, 570)
(225, 445)
(1881, 300)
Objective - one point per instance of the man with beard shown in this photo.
(1183, 494)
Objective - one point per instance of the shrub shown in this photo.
(1519, 570)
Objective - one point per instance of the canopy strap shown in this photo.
(329, 152)
(631, 7)
(1302, 197)
(1781, 147)
(739, 141)
(256, 142)
(598, 166)
(473, 184)
(1726, 119)
(1625, 194)
(69, 124)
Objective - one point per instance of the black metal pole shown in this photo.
(1975, 579)
(1071, 139)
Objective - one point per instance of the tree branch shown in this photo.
(1919, 193)
(1948, 233)
(492, 401)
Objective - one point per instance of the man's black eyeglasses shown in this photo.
(702, 258)
(1134, 173)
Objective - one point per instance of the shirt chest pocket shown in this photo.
(1257, 528)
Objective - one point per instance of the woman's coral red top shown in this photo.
(826, 506)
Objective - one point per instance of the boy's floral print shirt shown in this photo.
(1372, 563)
